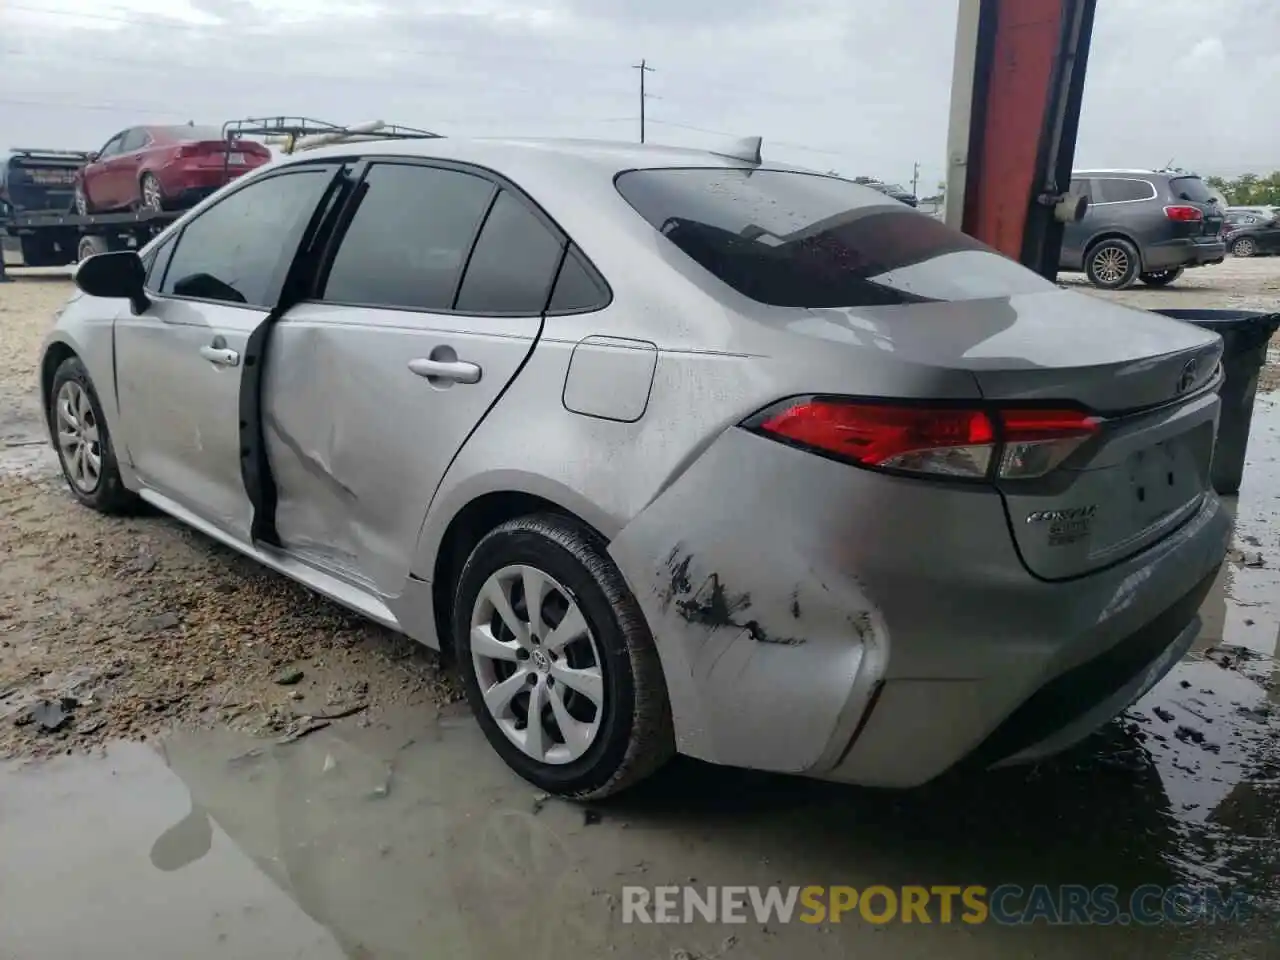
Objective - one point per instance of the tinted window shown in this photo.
(576, 287)
(1081, 187)
(112, 146)
(157, 261)
(190, 133)
(1110, 190)
(236, 250)
(409, 238)
(134, 139)
(1190, 189)
(805, 240)
(513, 264)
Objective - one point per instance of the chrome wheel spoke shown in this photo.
(535, 737)
(585, 680)
(535, 594)
(571, 627)
(577, 735)
(498, 697)
(485, 644)
(496, 593)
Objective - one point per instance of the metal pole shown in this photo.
(643, 67)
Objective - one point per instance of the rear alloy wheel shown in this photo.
(1161, 278)
(1112, 264)
(557, 661)
(149, 190)
(1244, 247)
(83, 442)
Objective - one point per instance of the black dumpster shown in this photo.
(1245, 335)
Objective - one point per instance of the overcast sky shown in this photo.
(860, 86)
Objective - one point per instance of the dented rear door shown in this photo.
(430, 307)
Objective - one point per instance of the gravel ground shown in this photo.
(141, 623)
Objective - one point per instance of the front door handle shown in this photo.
(221, 356)
(456, 371)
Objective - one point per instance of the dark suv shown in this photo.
(1142, 224)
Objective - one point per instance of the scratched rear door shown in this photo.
(428, 309)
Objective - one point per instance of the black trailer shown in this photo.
(35, 181)
(76, 237)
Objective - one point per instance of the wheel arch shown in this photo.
(444, 547)
(56, 352)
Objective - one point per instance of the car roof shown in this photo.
(501, 153)
(1117, 170)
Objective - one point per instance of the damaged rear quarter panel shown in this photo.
(769, 651)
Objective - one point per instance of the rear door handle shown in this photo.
(458, 371)
(221, 356)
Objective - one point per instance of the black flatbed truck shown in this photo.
(79, 236)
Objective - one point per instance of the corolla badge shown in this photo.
(1187, 378)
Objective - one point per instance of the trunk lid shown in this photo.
(1146, 377)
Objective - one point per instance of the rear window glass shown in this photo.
(1191, 189)
(189, 133)
(794, 239)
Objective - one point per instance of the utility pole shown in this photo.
(915, 179)
(643, 67)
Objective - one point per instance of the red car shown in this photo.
(162, 168)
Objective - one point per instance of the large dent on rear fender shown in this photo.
(770, 654)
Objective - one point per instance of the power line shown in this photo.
(644, 68)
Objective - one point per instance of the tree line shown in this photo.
(1249, 190)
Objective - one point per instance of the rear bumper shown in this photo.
(818, 619)
(193, 180)
(1171, 254)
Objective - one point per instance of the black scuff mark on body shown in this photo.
(795, 603)
(712, 605)
(861, 623)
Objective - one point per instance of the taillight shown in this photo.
(1183, 214)
(930, 439)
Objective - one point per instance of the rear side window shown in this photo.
(794, 239)
(577, 289)
(1190, 189)
(513, 264)
(238, 249)
(408, 241)
(1112, 190)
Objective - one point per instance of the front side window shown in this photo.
(134, 139)
(237, 250)
(408, 240)
(793, 239)
(112, 146)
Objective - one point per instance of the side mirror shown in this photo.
(116, 275)
(91, 156)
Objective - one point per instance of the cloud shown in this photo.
(861, 86)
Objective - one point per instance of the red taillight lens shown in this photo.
(930, 439)
(1183, 214)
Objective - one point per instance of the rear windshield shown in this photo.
(1190, 189)
(189, 133)
(792, 239)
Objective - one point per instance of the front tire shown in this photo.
(1244, 247)
(1161, 278)
(1112, 264)
(83, 442)
(583, 659)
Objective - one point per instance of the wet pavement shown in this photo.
(409, 839)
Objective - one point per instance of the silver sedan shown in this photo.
(673, 451)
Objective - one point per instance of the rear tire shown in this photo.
(1112, 264)
(90, 246)
(1161, 278)
(1244, 247)
(616, 739)
(83, 442)
(150, 196)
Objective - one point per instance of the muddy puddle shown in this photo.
(408, 838)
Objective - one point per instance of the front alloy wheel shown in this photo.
(81, 201)
(152, 198)
(79, 441)
(1244, 247)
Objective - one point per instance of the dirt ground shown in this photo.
(131, 626)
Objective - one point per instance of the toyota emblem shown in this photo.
(1188, 377)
